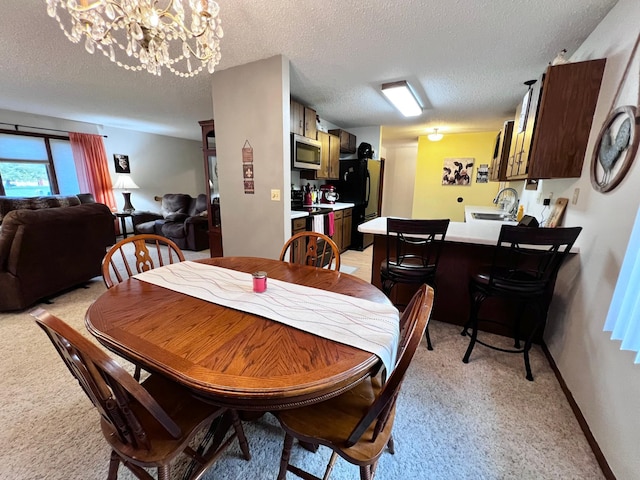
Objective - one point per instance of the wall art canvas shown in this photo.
(457, 171)
(121, 163)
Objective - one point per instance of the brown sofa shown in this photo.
(182, 219)
(46, 248)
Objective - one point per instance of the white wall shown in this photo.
(159, 164)
(251, 103)
(399, 173)
(370, 135)
(40, 121)
(603, 380)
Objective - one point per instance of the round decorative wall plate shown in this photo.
(615, 149)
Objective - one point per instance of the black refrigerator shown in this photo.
(360, 184)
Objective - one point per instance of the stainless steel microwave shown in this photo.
(305, 152)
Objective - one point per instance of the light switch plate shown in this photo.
(576, 193)
(275, 195)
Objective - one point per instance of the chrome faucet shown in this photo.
(513, 207)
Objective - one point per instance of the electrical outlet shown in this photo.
(275, 195)
(546, 201)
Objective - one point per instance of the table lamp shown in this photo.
(125, 183)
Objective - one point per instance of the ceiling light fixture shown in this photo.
(146, 34)
(435, 136)
(402, 97)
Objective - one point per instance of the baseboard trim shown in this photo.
(600, 458)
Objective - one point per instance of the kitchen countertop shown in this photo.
(484, 232)
(295, 214)
(333, 206)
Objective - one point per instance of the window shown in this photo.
(623, 319)
(33, 165)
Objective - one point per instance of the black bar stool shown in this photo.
(412, 259)
(524, 269)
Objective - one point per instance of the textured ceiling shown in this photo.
(467, 59)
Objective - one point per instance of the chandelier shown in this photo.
(146, 34)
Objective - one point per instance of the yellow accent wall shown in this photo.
(431, 199)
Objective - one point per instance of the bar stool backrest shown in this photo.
(528, 259)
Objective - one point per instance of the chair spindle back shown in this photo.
(413, 324)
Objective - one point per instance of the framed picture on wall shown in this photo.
(457, 171)
(121, 163)
(483, 173)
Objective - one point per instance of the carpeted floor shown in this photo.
(482, 420)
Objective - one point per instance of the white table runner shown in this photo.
(360, 323)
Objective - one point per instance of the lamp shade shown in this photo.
(402, 97)
(124, 182)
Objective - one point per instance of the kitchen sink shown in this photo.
(503, 217)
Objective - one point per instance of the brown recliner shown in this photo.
(182, 219)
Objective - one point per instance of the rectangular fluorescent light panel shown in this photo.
(402, 97)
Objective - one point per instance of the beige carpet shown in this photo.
(455, 421)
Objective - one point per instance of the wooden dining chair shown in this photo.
(312, 248)
(357, 424)
(148, 424)
(137, 254)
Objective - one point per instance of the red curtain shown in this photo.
(90, 158)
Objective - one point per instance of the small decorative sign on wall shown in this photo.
(247, 168)
(457, 171)
(557, 213)
(483, 173)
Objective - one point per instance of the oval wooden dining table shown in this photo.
(230, 357)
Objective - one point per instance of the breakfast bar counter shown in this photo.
(467, 246)
(480, 233)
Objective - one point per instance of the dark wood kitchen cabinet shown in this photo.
(299, 246)
(498, 170)
(329, 159)
(334, 157)
(347, 140)
(329, 156)
(342, 228)
(347, 218)
(303, 119)
(338, 229)
(297, 117)
(323, 138)
(553, 122)
(211, 187)
(310, 125)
